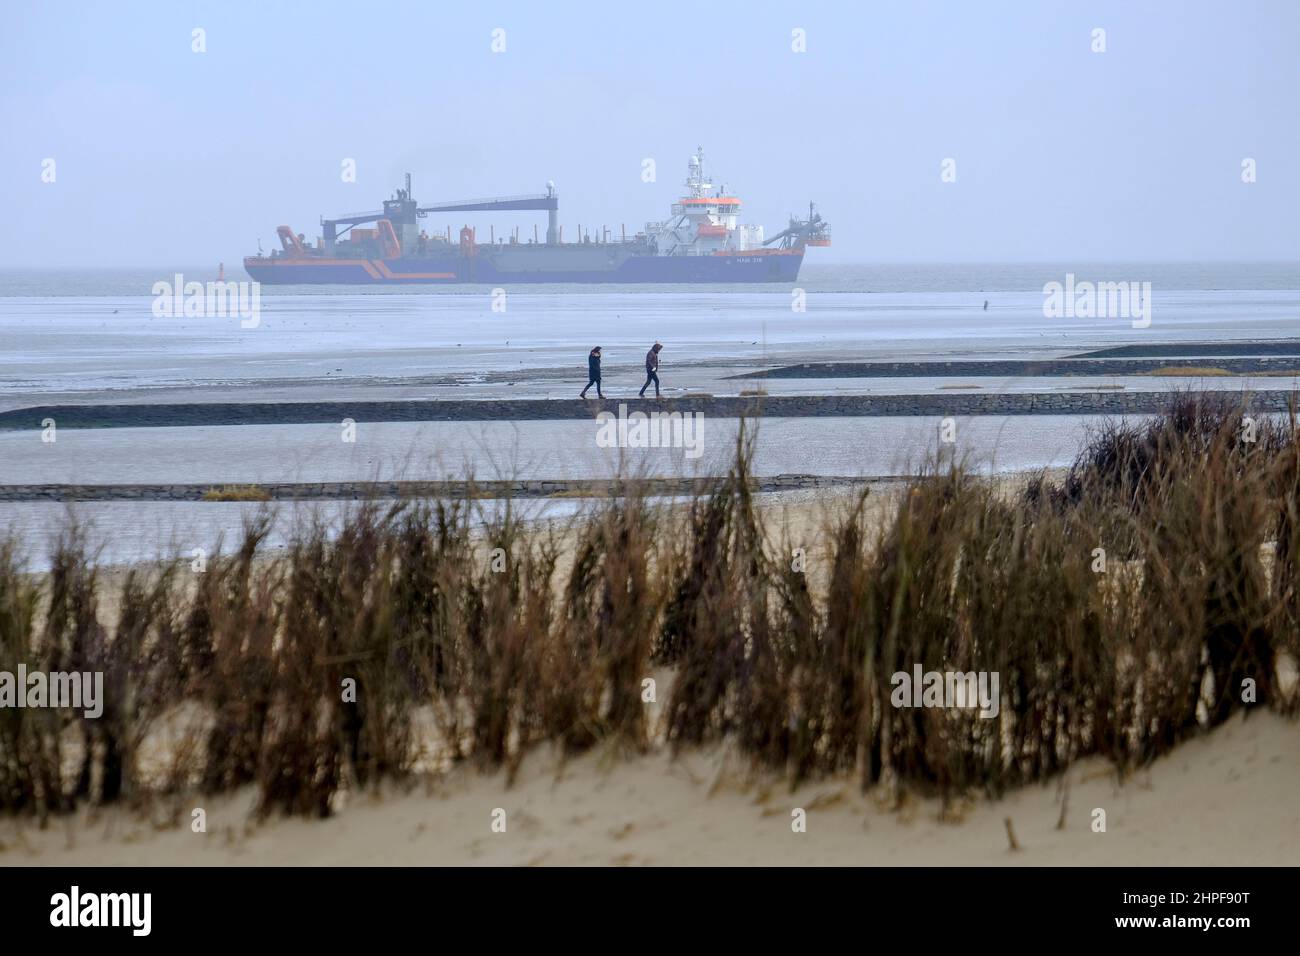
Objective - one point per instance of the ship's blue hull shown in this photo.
(767, 266)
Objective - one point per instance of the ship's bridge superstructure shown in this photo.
(703, 222)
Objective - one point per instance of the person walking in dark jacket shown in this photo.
(593, 372)
(652, 369)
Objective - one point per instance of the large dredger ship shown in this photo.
(701, 241)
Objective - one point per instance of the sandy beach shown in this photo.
(1225, 799)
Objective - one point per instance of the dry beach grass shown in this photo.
(475, 648)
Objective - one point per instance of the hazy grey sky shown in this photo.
(165, 156)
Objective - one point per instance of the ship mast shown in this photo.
(696, 182)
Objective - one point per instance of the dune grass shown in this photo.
(1147, 596)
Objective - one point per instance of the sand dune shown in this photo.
(1226, 798)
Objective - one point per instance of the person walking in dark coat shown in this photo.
(593, 372)
(652, 369)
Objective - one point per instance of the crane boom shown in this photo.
(498, 204)
(403, 210)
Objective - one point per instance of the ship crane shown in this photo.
(403, 210)
(548, 201)
(813, 231)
